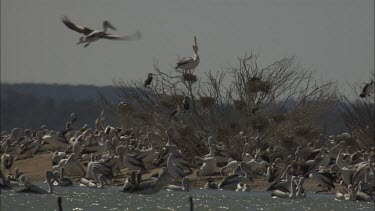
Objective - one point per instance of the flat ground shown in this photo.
(34, 170)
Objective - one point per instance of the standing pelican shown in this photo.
(94, 35)
(231, 182)
(31, 188)
(7, 160)
(281, 194)
(367, 89)
(189, 63)
(185, 186)
(152, 186)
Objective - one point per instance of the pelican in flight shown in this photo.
(91, 35)
(189, 63)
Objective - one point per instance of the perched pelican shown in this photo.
(282, 185)
(189, 63)
(230, 167)
(185, 186)
(231, 182)
(94, 35)
(27, 187)
(90, 184)
(346, 174)
(62, 180)
(281, 194)
(367, 89)
(175, 170)
(72, 166)
(363, 196)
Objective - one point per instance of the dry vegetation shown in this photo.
(276, 105)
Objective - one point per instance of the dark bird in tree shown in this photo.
(254, 79)
(185, 104)
(369, 87)
(148, 80)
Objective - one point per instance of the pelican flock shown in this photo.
(147, 161)
(96, 157)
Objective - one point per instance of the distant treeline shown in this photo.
(33, 105)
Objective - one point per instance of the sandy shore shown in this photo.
(34, 169)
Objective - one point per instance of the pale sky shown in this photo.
(333, 37)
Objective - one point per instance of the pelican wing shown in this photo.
(76, 27)
(184, 61)
(135, 36)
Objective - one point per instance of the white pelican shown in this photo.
(300, 191)
(6, 160)
(340, 162)
(129, 161)
(363, 196)
(185, 186)
(242, 187)
(230, 167)
(346, 173)
(367, 89)
(175, 170)
(323, 178)
(72, 166)
(92, 184)
(94, 35)
(282, 185)
(153, 186)
(189, 63)
(231, 182)
(27, 187)
(208, 166)
(349, 196)
(281, 194)
(62, 180)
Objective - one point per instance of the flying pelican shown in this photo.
(27, 187)
(367, 89)
(94, 35)
(189, 63)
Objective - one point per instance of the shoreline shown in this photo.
(34, 169)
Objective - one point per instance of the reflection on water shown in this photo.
(79, 198)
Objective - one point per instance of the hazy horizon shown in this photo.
(335, 38)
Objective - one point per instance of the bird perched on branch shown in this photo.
(189, 63)
(148, 80)
(367, 89)
(94, 35)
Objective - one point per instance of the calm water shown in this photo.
(78, 198)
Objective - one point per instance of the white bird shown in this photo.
(208, 166)
(300, 190)
(231, 182)
(94, 35)
(152, 186)
(367, 89)
(174, 169)
(281, 194)
(185, 186)
(6, 160)
(189, 63)
(27, 187)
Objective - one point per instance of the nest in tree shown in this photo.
(189, 77)
(259, 122)
(303, 130)
(207, 102)
(259, 86)
(239, 104)
(124, 108)
(279, 118)
(146, 117)
(172, 101)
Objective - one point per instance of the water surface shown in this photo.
(109, 198)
